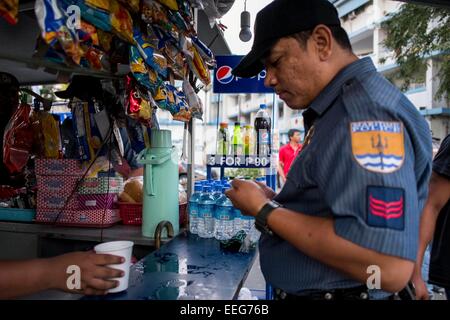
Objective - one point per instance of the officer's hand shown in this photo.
(420, 287)
(95, 276)
(270, 194)
(247, 196)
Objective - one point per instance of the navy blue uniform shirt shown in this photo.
(367, 166)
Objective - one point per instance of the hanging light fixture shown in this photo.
(246, 34)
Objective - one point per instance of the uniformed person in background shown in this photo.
(352, 199)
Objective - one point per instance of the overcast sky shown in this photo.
(233, 21)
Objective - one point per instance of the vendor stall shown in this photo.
(122, 60)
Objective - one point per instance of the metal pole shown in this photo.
(191, 138)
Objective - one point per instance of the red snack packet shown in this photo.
(18, 140)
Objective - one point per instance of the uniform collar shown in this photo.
(325, 99)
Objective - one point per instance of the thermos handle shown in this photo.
(149, 163)
(149, 180)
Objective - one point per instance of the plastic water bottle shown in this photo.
(247, 223)
(193, 208)
(217, 191)
(206, 208)
(261, 179)
(224, 217)
(237, 221)
(263, 132)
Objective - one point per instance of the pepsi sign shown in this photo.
(226, 82)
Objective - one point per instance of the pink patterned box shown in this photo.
(53, 215)
(79, 218)
(63, 185)
(58, 167)
(97, 201)
(56, 200)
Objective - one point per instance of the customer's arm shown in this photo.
(439, 195)
(19, 278)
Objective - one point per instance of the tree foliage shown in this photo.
(415, 33)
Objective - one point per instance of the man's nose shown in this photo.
(270, 80)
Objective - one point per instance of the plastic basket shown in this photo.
(131, 213)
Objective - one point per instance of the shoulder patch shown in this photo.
(378, 146)
(386, 207)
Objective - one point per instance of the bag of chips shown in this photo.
(195, 61)
(204, 51)
(183, 112)
(171, 4)
(105, 40)
(153, 59)
(133, 5)
(9, 9)
(139, 104)
(47, 135)
(93, 14)
(121, 22)
(155, 14)
(195, 104)
(87, 34)
(139, 69)
(99, 4)
(54, 29)
(18, 140)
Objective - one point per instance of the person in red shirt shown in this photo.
(288, 153)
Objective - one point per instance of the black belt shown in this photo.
(355, 293)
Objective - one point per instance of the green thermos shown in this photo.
(160, 183)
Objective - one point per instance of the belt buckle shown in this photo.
(328, 296)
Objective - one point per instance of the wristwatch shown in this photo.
(263, 214)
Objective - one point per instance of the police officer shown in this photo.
(347, 218)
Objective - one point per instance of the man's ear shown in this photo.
(323, 41)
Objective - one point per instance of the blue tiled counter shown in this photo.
(188, 267)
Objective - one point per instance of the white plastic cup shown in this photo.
(122, 249)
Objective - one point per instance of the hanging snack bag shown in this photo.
(195, 104)
(133, 5)
(92, 12)
(139, 70)
(18, 140)
(155, 14)
(195, 61)
(204, 51)
(171, 4)
(87, 34)
(183, 112)
(54, 28)
(121, 22)
(153, 59)
(9, 9)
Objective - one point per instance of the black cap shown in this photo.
(8, 80)
(279, 19)
(82, 87)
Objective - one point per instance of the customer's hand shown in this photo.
(247, 196)
(270, 194)
(94, 273)
(420, 287)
